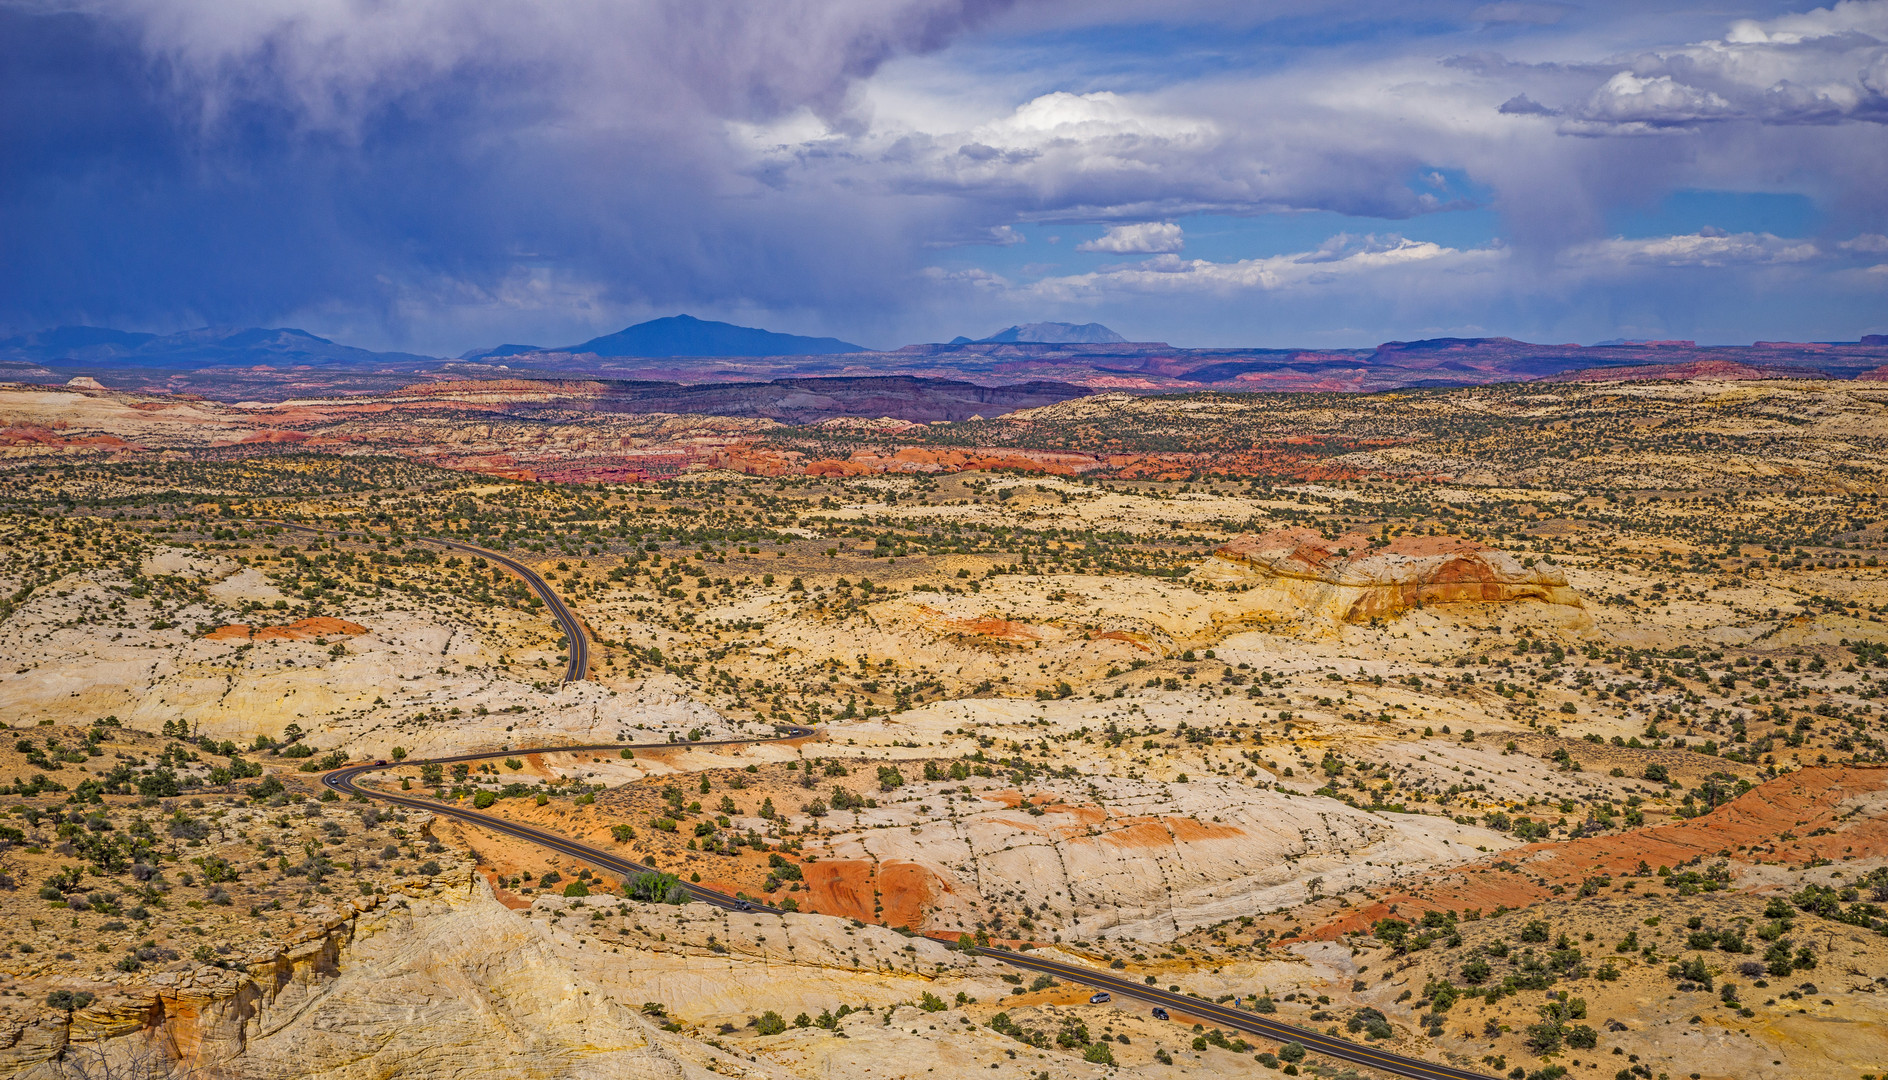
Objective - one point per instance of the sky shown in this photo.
(443, 175)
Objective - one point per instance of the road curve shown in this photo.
(578, 669)
(343, 780)
(578, 642)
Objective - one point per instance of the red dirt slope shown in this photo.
(1773, 823)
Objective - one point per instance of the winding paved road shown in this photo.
(578, 669)
(577, 641)
(343, 780)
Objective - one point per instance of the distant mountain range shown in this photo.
(1049, 333)
(238, 364)
(685, 335)
(210, 346)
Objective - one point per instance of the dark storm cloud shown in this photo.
(174, 162)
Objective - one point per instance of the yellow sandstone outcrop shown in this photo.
(1355, 578)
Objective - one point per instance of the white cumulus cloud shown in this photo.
(1707, 247)
(1871, 243)
(1341, 257)
(1818, 67)
(1148, 237)
(1657, 101)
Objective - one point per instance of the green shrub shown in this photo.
(770, 1023)
(657, 888)
(1544, 1038)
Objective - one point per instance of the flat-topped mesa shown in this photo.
(1357, 577)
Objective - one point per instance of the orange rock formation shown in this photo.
(299, 630)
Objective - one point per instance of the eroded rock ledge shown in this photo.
(197, 1017)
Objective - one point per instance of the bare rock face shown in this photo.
(1354, 578)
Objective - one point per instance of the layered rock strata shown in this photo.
(1356, 578)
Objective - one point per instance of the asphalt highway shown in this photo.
(1240, 1020)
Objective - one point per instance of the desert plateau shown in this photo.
(1530, 730)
